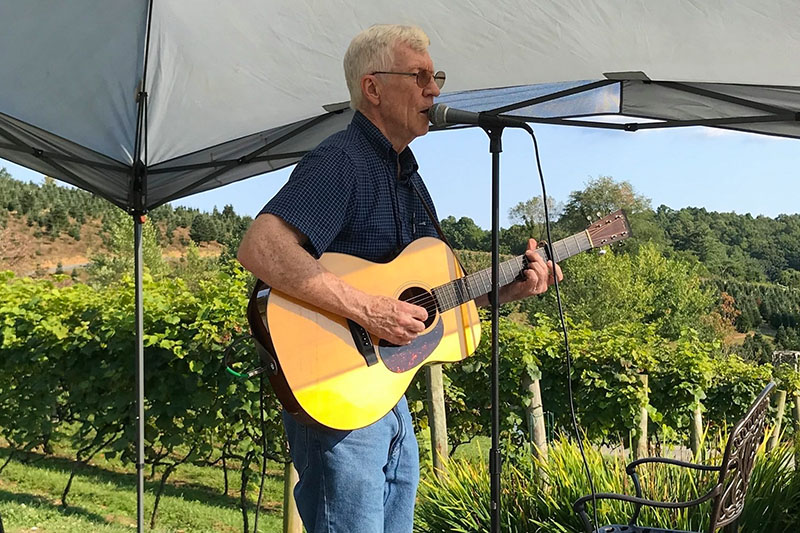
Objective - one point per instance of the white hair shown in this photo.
(373, 50)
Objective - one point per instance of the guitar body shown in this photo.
(322, 375)
(328, 371)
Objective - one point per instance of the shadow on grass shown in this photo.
(127, 480)
(30, 500)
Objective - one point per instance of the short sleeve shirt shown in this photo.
(353, 194)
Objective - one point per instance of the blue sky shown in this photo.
(703, 167)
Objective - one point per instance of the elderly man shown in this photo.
(355, 194)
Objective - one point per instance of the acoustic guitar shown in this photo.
(329, 371)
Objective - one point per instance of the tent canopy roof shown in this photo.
(235, 89)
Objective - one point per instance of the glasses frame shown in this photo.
(436, 77)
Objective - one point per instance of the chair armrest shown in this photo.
(580, 504)
(630, 469)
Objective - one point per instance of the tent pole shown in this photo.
(139, 195)
(137, 239)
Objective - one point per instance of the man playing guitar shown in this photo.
(354, 194)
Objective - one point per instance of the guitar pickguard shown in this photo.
(401, 359)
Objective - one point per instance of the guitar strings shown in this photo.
(430, 302)
(424, 299)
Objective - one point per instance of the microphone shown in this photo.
(442, 115)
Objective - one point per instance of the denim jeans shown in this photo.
(361, 481)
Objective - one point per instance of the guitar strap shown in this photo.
(436, 225)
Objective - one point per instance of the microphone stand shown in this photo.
(495, 134)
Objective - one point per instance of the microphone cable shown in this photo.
(243, 375)
(570, 394)
(261, 392)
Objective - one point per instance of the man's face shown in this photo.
(404, 105)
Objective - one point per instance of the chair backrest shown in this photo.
(737, 463)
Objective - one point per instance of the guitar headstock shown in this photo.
(610, 229)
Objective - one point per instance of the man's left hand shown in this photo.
(537, 277)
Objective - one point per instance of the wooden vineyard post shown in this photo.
(291, 518)
(437, 417)
(641, 436)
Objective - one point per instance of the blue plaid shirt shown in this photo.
(352, 194)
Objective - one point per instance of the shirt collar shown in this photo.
(383, 147)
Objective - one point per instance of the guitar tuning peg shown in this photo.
(598, 215)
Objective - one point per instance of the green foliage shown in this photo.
(773, 501)
(736, 246)
(683, 374)
(735, 384)
(66, 360)
(791, 278)
(787, 338)
(734, 249)
(193, 268)
(643, 287)
(467, 383)
(788, 379)
(118, 260)
(203, 228)
(601, 196)
(56, 209)
(49, 206)
(530, 214)
(537, 495)
(756, 348)
(606, 367)
(678, 384)
(464, 234)
(777, 305)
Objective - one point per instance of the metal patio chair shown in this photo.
(726, 496)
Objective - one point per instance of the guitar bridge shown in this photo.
(363, 343)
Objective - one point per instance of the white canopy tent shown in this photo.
(235, 89)
(143, 102)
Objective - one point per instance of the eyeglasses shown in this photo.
(423, 77)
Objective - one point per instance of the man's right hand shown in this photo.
(273, 250)
(393, 320)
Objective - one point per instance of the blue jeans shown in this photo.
(362, 481)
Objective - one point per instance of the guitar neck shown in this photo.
(462, 290)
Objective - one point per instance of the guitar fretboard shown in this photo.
(462, 290)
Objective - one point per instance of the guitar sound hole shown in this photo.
(421, 297)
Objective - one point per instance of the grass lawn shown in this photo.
(103, 498)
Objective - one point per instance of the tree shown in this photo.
(203, 229)
(601, 196)
(464, 234)
(56, 220)
(644, 288)
(756, 348)
(787, 339)
(530, 213)
(791, 278)
(514, 240)
(118, 261)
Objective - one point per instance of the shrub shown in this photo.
(459, 500)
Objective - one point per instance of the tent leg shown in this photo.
(137, 253)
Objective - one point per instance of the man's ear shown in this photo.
(370, 90)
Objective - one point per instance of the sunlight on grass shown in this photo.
(103, 499)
